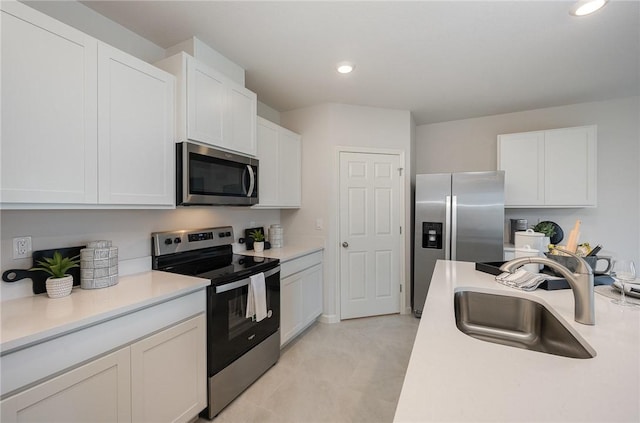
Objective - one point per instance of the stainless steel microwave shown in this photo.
(206, 176)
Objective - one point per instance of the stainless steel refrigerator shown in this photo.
(458, 216)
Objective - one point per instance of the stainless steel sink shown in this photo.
(516, 322)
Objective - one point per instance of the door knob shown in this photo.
(345, 244)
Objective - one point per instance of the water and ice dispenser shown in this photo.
(432, 235)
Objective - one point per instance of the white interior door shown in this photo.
(369, 234)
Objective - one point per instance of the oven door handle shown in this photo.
(243, 282)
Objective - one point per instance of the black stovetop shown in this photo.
(218, 266)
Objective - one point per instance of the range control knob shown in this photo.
(168, 241)
(221, 234)
(177, 240)
(227, 233)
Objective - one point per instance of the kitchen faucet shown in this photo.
(580, 281)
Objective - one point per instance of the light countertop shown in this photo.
(288, 251)
(453, 377)
(28, 320)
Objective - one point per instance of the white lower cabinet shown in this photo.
(161, 378)
(300, 295)
(99, 391)
(168, 370)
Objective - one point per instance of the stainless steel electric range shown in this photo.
(239, 349)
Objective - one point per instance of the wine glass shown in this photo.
(623, 271)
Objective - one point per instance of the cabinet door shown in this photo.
(242, 109)
(49, 134)
(290, 169)
(521, 156)
(169, 373)
(312, 293)
(291, 312)
(206, 102)
(135, 138)
(570, 166)
(269, 164)
(99, 391)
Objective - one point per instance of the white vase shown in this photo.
(258, 246)
(59, 287)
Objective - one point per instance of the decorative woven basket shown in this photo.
(59, 287)
(98, 265)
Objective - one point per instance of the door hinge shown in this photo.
(400, 288)
(400, 230)
(400, 169)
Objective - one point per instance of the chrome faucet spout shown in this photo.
(581, 282)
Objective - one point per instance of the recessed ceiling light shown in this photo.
(345, 67)
(586, 7)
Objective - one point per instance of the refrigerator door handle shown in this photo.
(454, 227)
(447, 229)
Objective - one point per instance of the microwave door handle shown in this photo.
(252, 181)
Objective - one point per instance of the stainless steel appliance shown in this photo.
(239, 349)
(206, 176)
(458, 216)
(517, 225)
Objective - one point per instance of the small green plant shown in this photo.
(257, 235)
(57, 266)
(546, 228)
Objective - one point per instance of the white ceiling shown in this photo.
(442, 60)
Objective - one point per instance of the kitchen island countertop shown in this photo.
(453, 377)
(29, 320)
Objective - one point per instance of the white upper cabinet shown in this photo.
(205, 105)
(49, 110)
(554, 168)
(135, 130)
(211, 108)
(84, 124)
(279, 179)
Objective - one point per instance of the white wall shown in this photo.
(471, 144)
(324, 129)
(130, 231)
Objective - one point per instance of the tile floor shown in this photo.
(345, 372)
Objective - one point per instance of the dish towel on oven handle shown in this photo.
(257, 297)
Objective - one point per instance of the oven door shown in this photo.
(230, 333)
(206, 176)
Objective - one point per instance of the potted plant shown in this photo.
(59, 284)
(548, 229)
(258, 240)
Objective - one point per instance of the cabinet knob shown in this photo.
(345, 244)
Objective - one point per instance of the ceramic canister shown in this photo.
(529, 237)
(527, 251)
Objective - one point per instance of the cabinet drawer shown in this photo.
(298, 264)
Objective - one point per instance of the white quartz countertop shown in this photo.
(287, 252)
(453, 377)
(29, 320)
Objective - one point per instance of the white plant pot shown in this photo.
(258, 246)
(59, 287)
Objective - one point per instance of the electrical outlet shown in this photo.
(319, 224)
(21, 247)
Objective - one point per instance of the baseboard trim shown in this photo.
(329, 318)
